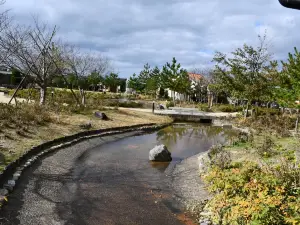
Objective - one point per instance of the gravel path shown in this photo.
(91, 183)
(187, 183)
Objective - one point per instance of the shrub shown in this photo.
(219, 156)
(204, 108)
(278, 124)
(124, 104)
(227, 108)
(266, 149)
(24, 115)
(131, 104)
(170, 104)
(248, 194)
(266, 111)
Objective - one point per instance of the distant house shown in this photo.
(5, 75)
(194, 78)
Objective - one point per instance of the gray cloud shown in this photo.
(134, 32)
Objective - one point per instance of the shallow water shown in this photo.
(182, 140)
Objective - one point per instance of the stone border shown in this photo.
(11, 174)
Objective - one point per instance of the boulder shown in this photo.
(101, 115)
(161, 107)
(160, 153)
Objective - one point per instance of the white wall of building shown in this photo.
(178, 96)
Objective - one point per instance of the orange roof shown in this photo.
(195, 76)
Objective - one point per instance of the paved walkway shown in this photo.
(185, 111)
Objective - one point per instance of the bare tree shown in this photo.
(83, 64)
(4, 18)
(32, 50)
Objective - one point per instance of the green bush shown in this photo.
(204, 108)
(227, 108)
(266, 111)
(124, 104)
(170, 104)
(246, 193)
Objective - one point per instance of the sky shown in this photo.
(132, 33)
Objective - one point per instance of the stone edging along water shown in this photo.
(11, 174)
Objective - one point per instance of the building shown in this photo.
(195, 79)
(5, 75)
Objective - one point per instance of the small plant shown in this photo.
(266, 149)
(219, 157)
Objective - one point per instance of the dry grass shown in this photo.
(26, 126)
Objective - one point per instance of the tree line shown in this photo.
(247, 75)
(154, 81)
(251, 74)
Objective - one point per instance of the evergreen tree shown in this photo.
(175, 78)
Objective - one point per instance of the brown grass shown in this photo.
(26, 126)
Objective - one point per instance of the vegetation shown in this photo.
(251, 194)
(171, 77)
(256, 180)
(220, 108)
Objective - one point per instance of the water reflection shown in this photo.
(185, 140)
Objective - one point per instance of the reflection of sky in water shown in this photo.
(187, 140)
(182, 140)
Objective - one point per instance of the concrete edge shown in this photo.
(12, 172)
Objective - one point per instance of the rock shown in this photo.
(161, 107)
(10, 185)
(16, 176)
(101, 115)
(160, 154)
(3, 192)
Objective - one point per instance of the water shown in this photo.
(182, 140)
(120, 171)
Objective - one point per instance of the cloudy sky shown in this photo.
(134, 32)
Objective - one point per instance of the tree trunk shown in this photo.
(211, 101)
(43, 95)
(297, 122)
(247, 109)
(174, 97)
(82, 95)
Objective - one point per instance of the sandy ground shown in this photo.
(5, 99)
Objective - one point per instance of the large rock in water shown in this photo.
(160, 154)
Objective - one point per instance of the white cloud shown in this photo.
(134, 32)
